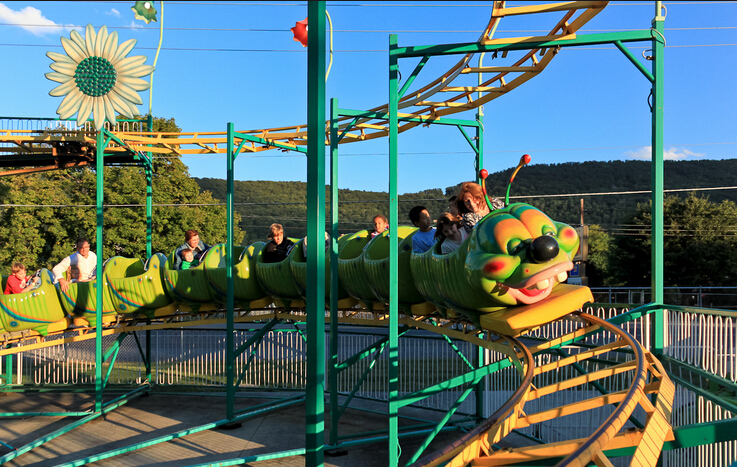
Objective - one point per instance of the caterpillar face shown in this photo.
(518, 254)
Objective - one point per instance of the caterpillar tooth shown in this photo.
(542, 285)
(562, 277)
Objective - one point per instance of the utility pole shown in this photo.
(581, 211)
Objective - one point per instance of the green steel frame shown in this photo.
(314, 423)
(655, 36)
(104, 137)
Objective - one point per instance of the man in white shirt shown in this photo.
(83, 259)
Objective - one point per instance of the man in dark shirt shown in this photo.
(278, 248)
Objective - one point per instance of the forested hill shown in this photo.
(262, 203)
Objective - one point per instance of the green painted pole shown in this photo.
(481, 352)
(100, 166)
(149, 208)
(479, 144)
(658, 40)
(148, 168)
(9, 369)
(334, 114)
(315, 403)
(393, 257)
(230, 300)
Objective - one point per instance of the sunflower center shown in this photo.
(95, 76)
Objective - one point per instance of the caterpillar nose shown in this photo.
(544, 249)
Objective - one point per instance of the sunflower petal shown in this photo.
(85, 109)
(64, 68)
(89, 39)
(120, 104)
(63, 89)
(78, 39)
(134, 83)
(123, 50)
(99, 109)
(109, 108)
(59, 58)
(70, 104)
(132, 109)
(100, 41)
(130, 63)
(58, 77)
(73, 50)
(143, 70)
(128, 93)
(111, 46)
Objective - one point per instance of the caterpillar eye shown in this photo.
(548, 231)
(514, 246)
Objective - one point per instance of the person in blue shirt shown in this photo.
(425, 237)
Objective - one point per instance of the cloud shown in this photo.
(113, 12)
(669, 154)
(32, 20)
(135, 25)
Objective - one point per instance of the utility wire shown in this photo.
(380, 201)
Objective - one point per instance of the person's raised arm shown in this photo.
(58, 272)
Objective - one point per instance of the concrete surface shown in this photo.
(147, 418)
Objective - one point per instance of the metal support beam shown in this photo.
(393, 256)
(316, 67)
(230, 299)
(101, 145)
(658, 258)
(333, 375)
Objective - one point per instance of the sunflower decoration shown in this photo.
(97, 77)
(144, 11)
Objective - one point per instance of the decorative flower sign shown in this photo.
(144, 11)
(300, 32)
(97, 78)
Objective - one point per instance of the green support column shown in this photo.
(315, 410)
(149, 207)
(657, 182)
(393, 256)
(230, 301)
(100, 165)
(148, 168)
(479, 144)
(9, 369)
(480, 387)
(334, 271)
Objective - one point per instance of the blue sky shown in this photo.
(236, 62)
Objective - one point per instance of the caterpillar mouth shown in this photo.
(537, 287)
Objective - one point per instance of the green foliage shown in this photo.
(699, 243)
(597, 263)
(40, 236)
(261, 203)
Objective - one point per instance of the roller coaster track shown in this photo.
(55, 150)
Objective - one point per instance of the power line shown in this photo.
(194, 49)
(415, 200)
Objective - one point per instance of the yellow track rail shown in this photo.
(453, 92)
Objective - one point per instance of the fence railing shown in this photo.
(724, 298)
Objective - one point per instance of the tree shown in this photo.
(597, 263)
(699, 244)
(51, 210)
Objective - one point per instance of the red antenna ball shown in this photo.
(484, 173)
(527, 158)
(300, 32)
